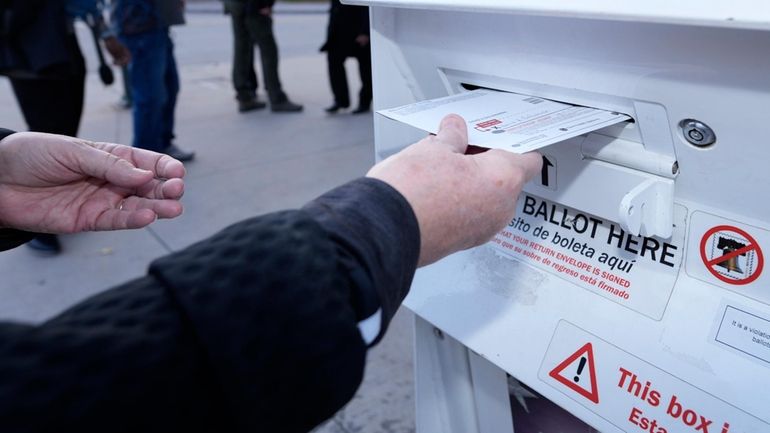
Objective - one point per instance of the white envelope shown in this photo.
(508, 121)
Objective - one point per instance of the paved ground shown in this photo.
(246, 165)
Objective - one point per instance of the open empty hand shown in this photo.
(58, 184)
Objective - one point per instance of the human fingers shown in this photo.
(123, 58)
(172, 189)
(510, 167)
(531, 163)
(125, 55)
(162, 208)
(103, 165)
(453, 132)
(118, 51)
(122, 219)
(163, 166)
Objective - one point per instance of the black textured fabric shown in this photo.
(252, 330)
(377, 239)
(123, 361)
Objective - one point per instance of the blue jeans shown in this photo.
(155, 85)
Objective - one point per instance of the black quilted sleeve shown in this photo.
(252, 330)
(122, 361)
(377, 240)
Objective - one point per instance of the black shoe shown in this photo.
(45, 244)
(250, 105)
(285, 107)
(335, 108)
(362, 109)
(179, 154)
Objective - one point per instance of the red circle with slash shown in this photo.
(712, 263)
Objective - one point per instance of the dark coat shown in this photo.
(34, 39)
(346, 23)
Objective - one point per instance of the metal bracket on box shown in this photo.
(647, 209)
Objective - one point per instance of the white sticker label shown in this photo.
(728, 254)
(632, 394)
(635, 271)
(745, 332)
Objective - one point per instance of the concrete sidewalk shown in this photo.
(247, 164)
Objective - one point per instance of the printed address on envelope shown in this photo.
(508, 121)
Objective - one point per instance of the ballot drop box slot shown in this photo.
(630, 289)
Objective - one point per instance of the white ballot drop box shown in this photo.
(630, 291)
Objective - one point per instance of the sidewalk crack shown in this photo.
(160, 240)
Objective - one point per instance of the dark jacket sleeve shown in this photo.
(10, 238)
(254, 329)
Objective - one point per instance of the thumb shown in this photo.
(454, 133)
(118, 171)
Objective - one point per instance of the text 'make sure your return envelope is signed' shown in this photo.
(508, 121)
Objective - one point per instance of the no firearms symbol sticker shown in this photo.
(731, 255)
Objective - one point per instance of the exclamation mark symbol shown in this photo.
(580, 368)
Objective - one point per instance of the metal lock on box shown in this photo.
(697, 133)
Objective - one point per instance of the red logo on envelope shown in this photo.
(486, 125)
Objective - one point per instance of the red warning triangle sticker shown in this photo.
(579, 365)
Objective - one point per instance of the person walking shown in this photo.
(144, 26)
(252, 22)
(348, 36)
